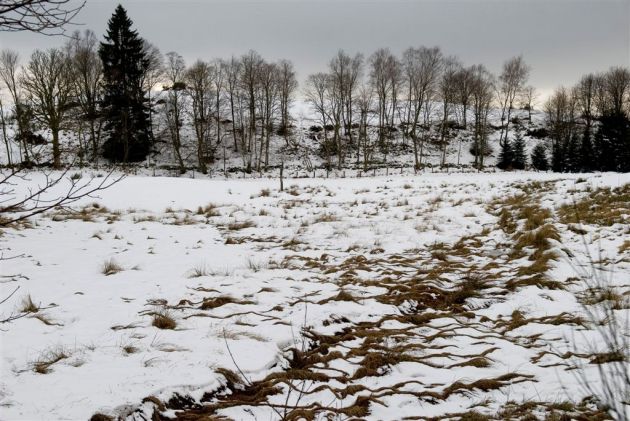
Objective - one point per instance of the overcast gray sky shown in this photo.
(560, 39)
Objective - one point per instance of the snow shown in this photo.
(152, 228)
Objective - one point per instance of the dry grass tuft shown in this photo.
(198, 271)
(608, 357)
(111, 267)
(49, 358)
(28, 306)
(325, 217)
(539, 238)
(212, 303)
(237, 226)
(129, 349)
(164, 320)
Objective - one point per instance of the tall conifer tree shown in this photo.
(124, 102)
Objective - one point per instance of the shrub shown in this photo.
(110, 267)
(164, 320)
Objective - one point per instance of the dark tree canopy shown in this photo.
(519, 159)
(613, 142)
(539, 158)
(43, 16)
(126, 106)
(504, 160)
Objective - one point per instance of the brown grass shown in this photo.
(539, 238)
(237, 226)
(111, 267)
(49, 358)
(164, 320)
(198, 271)
(604, 207)
(28, 306)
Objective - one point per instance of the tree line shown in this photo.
(123, 98)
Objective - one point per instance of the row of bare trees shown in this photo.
(410, 91)
(59, 89)
(247, 98)
(56, 89)
(242, 102)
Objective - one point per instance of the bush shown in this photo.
(539, 158)
(539, 133)
(475, 149)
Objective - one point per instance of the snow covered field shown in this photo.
(375, 297)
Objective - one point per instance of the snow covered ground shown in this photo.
(377, 297)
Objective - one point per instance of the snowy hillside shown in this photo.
(304, 151)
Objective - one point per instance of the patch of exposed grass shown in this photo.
(111, 267)
(608, 357)
(164, 320)
(198, 271)
(239, 225)
(212, 303)
(129, 349)
(255, 266)
(604, 207)
(28, 306)
(48, 358)
(538, 239)
(325, 217)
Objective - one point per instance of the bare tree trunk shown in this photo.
(5, 137)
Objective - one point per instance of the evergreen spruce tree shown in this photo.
(572, 155)
(504, 161)
(539, 158)
(588, 160)
(558, 157)
(519, 159)
(125, 105)
(613, 142)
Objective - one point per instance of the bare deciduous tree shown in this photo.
(9, 74)
(315, 92)
(287, 84)
(585, 97)
(48, 84)
(87, 75)
(251, 64)
(482, 94)
(218, 79)
(199, 88)
(44, 16)
(385, 77)
(174, 107)
(232, 74)
(529, 96)
(364, 102)
(617, 85)
(447, 88)
(511, 82)
(152, 77)
(345, 72)
(422, 69)
(464, 86)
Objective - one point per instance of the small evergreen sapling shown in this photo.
(519, 159)
(505, 156)
(539, 158)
